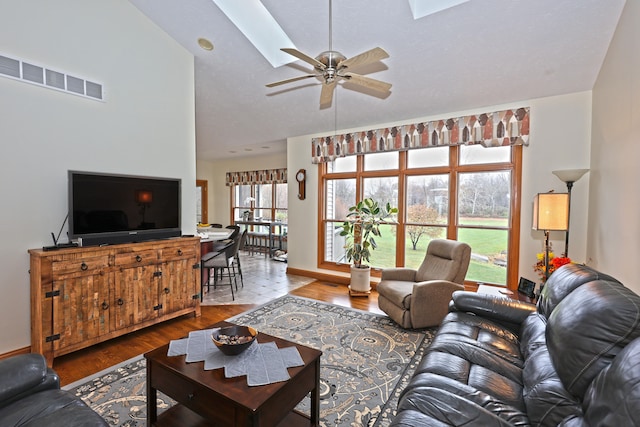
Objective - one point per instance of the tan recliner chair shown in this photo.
(420, 298)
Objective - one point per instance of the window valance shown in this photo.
(265, 176)
(496, 129)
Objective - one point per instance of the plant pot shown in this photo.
(360, 279)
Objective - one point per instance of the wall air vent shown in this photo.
(45, 77)
(33, 73)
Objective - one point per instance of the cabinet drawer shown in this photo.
(88, 265)
(137, 258)
(209, 404)
(178, 252)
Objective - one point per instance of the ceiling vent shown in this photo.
(42, 76)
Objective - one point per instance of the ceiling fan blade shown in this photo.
(367, 82)
(326, 96)
(364, 58)
(306, 58)
(295, 79)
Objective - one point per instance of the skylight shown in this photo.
(421, 8)
(262, 30)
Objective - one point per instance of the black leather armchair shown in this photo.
(30, 396)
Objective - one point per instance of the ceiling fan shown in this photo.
(332, 66)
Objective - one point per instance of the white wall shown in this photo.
(560, 137)
(614, 229)
(215, 173)
(145, 127)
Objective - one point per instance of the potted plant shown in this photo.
(361, 229)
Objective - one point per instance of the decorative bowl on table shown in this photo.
(232, 340)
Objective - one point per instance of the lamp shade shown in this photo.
(551, 211)
(570, 175)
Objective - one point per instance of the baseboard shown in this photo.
(344, 280)
(24, 350)
(324, 277)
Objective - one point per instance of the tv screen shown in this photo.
(109, 208)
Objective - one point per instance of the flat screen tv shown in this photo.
(109, 208)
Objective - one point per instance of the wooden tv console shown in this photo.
(83, 296)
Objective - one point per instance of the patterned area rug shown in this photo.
(367, 361)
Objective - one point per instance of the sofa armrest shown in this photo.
(492, 307)
(23, 375)
(402, 274)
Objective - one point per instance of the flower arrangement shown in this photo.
(248, 215)
(554, 263)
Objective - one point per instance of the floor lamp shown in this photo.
(550, 213)
(569, 176)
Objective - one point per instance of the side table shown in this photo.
(503, 292)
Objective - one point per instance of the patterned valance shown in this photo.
(500, 128)
(265, 176)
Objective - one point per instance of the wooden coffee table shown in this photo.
(207, 398)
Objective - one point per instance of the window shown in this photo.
(262, 193)
(466, 193)
(243, 200)
(267, 201)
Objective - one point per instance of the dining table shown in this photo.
(269, 224)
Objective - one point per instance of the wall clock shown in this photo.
(301, 176)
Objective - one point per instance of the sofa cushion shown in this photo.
(563, 281)
(613, 399)
(476, 352)
(589, 328)
(51, 408)
(533, 334)
(24, 374)
(454, 403)
(412, 418)
(546, 399)
(482, 333)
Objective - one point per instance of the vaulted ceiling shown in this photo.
(475, 54)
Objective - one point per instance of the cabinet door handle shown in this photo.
(84, 266)
(166, 290)
(105, 305)
(120, 301)
(138, 258)
(180, 252)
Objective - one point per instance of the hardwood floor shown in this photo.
(77, 365)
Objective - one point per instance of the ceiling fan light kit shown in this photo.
(331, 66)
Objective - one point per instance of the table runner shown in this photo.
(262, 363)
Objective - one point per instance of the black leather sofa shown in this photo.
(572, 360)
(30, 396)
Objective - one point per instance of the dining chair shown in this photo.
(242, 247)
(222, 262)
(235, 231)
